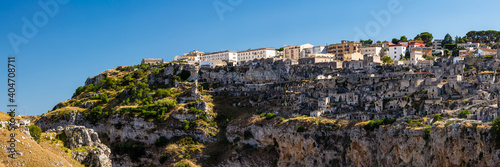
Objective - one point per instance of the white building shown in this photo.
(437, 44)
(371, 50)
(212, 63)
(227, 55)
(396, 52)
(261, 53)
(416, 56)
(315, 49)
(457, 59)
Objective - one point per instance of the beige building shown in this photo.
(295, 52)
(261, 53)
(314, 60)
(212, 63)
(371, 50)
(152, 61)
(416, 56)
(320, 55)
(343, 48)
(352, 56)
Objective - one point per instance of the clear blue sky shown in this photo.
(85, 38)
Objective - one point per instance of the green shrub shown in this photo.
(185, 124)
(182, 165)
(281, 119)
(263, 115)
(373, 124)
(436, 118)
(449, 123)
(35, 132)
(166, 103)
(495, 132)
(162, 93)
(270, 115)
(463, 114)
(301, 128)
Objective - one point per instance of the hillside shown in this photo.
(159, 115)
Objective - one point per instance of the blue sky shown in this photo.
(85, 38)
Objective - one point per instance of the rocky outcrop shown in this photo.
(95, 153)
(459, 144)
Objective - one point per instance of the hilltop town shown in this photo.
(362, 80)
(419, 102)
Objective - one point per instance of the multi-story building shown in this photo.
(343, 48)
(498, 52)
(227, 55)
(212, 63)
(416, 56)
(261, 53)
(295, 52)
(415, 44)
(352, 56)
(437, 44)
(320, 55)
(469, 46)
(425, 50)
(315, 49)
(191, 56)
(396, 52)
(371, 50)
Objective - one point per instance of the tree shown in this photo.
(447, 40)
(366, 42)
(280, 49)
(379, 42)
(385, 41)
(395, 40)
(35, 132)
(403, 39)
(387, 60)
(463, 114)
(446, 52)
(426, 37)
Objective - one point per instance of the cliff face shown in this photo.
(343, 144)
(157, 116)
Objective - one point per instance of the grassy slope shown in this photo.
(45, 154)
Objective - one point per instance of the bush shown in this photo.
(372, 124)
(436, 118)
(495, 132)
(270, 115)
(449, 123)
(301, 128)
(185, 124)
(182, 165)
(35, 132)
(281, 119)
(463, 114)
(162, 93)
(166, 103)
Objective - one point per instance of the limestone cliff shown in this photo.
(340, 143)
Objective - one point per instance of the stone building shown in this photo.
(152, 61)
